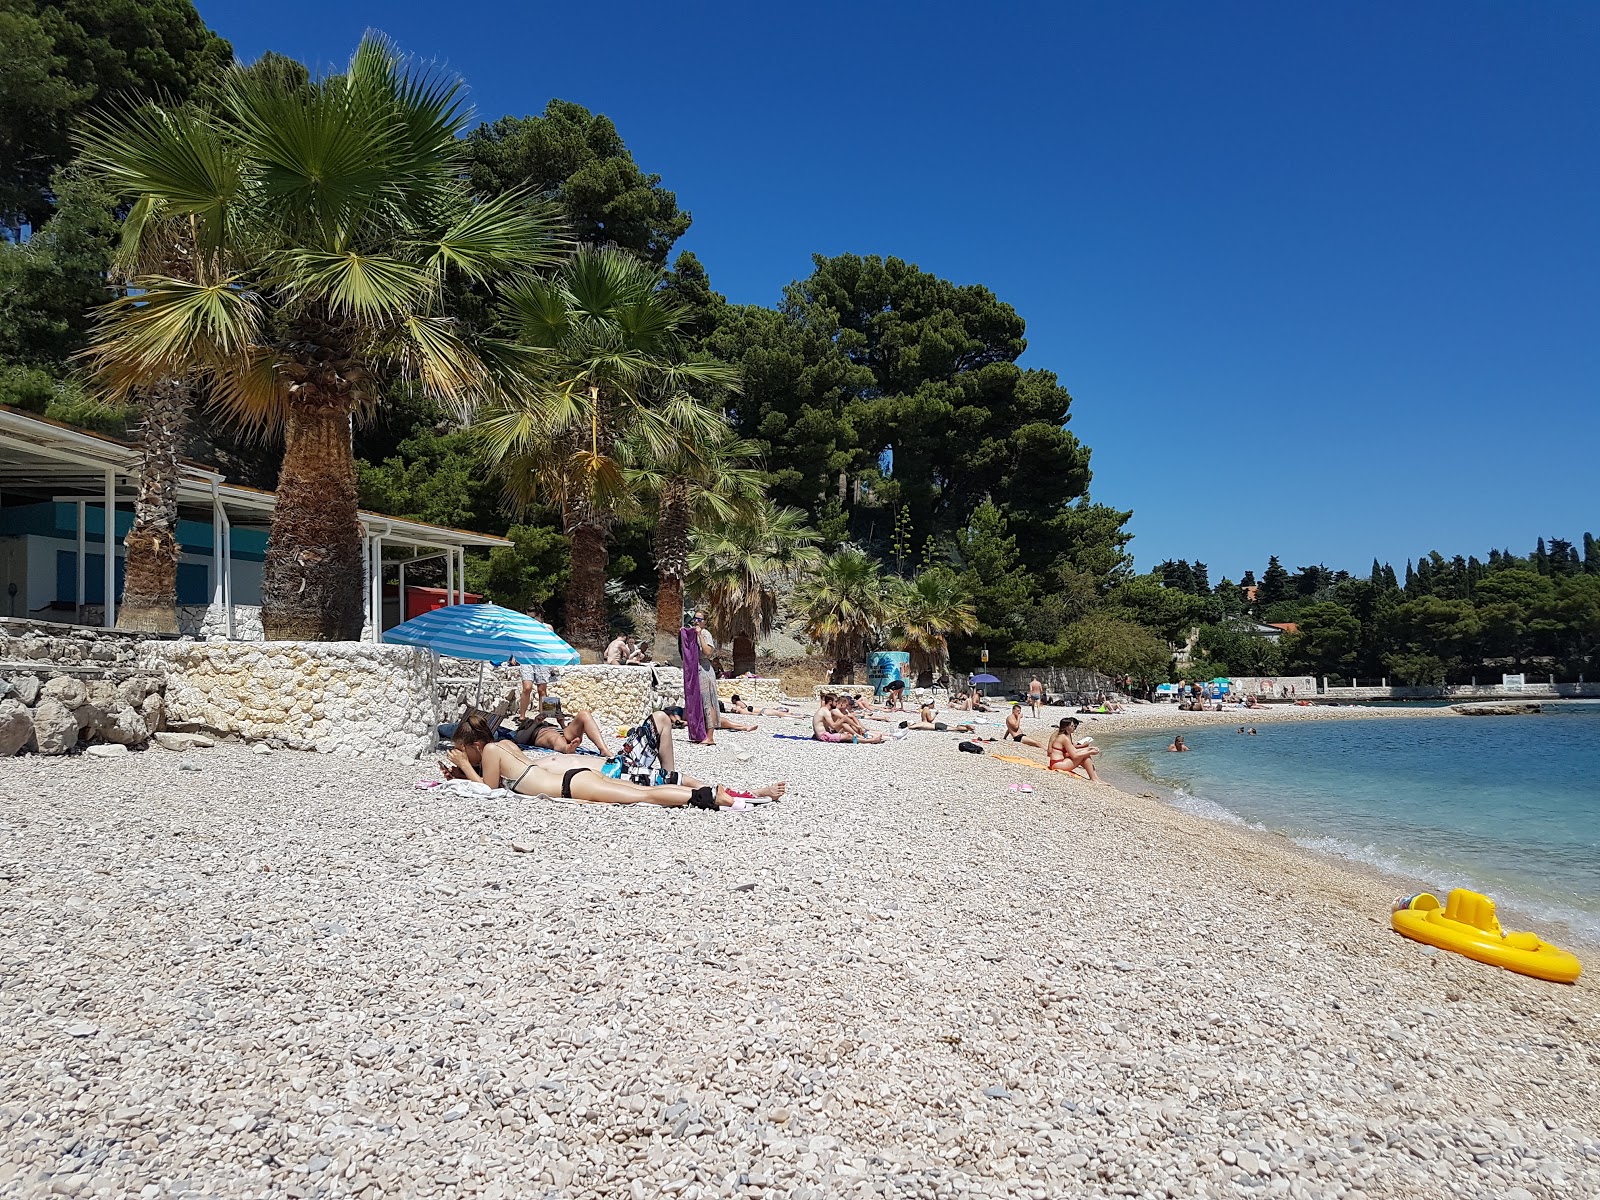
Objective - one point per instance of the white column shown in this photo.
(83, 552)
(461, 575)
(401, 589)
(377, 587)
(227, 575)
(217, 585)
(110, 620)
(449, 577)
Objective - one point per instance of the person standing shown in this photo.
(1035, 695)
(699, 648)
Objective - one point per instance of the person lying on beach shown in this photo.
(476, 756)
(1065, 753)
(726, 722)
(1013, 731)
(926, 720)
(741, 706)
(828, 724)
(861, 710)
(1177, 746)
(551, 731)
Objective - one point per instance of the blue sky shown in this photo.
(1324, 281)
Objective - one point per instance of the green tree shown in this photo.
(740, 567)
(1166, 612)
(844, 605)
(1434, 629)
(577, 160)
(64, 58)
(327, 222)
(1274, 585)
(526, 575)
(1115, 647)
(991, 574)
(50, 283)
(1328, 641)
(614, 374)
(1238, 651)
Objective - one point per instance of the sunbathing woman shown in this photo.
(1065, 753)
(477, 757)
(1014, 729)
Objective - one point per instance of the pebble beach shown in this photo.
(290, 974)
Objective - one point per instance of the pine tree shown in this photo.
(1202, 579)
(1274, 583)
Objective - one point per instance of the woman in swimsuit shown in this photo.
(1014, 729)
(476, 756)
(1065, 753)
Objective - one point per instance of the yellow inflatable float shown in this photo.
(1466, 925)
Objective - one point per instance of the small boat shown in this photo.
(1466, 924)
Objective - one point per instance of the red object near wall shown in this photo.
(425, 599)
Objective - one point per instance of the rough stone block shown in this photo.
(69, 692)
(16, 727)
(55, 728)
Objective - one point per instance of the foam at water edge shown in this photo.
(1209, 809)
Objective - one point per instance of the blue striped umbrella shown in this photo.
(485, 633)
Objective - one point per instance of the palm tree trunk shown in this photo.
(150, 590)
(672, 562)
(744, 653)
(586, 586)
(311, 587)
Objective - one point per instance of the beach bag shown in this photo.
(639, 757)
(970, 748)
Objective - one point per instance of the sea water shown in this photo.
(1505, 805)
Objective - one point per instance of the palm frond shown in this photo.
(508, 233)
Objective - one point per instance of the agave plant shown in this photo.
(740, 567)
(615, 376)
(328, 221)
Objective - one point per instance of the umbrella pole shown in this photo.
(478, 704)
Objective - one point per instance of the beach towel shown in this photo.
(1020, 761)
(694, 713)
(795, 737)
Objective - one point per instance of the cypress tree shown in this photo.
(1390, 583)
(1591, 555)
(1411, 579)
(1202, 579)
(1541, 558)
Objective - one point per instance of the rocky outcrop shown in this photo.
(16, 727)
(1518, 708)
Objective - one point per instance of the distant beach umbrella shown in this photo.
(985, 679)
(485, 633)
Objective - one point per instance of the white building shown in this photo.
(57, 485)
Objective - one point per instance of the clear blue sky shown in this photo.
(1324, 281)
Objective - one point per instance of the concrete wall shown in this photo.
(334, 697)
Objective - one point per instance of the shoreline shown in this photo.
(1130, 784)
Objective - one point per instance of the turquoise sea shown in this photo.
(1509, 806)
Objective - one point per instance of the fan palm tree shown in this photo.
(613, 361)
(740, 567)
(844, 604)
(925, 612)
(707, 476)
(329, 222)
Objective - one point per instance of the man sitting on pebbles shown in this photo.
(475, 755)
(831, 724)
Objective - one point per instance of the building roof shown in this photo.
(46, 455)
(1286, 626)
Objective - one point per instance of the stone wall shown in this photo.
(752, 691)
(209, 621)
(334, 697)
(619, 695)
(64, 686)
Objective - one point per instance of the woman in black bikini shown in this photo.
(476, 756)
